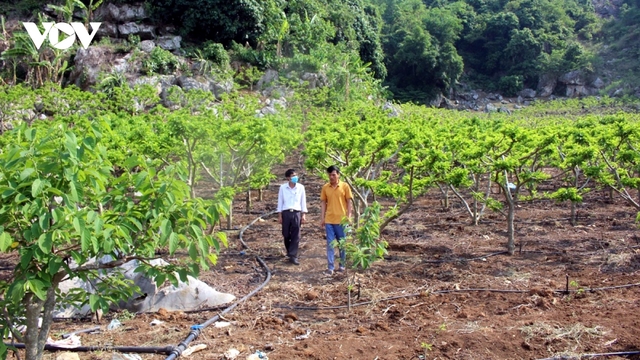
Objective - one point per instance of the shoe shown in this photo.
(294, 261)
(341, 269)
(327, 272)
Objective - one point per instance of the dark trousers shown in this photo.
(291, 232)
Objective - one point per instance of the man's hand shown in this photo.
(279, 218)
(304, 219)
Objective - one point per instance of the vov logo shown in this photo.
(53, 31)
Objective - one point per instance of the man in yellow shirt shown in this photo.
(335, 200)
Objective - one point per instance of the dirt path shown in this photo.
(431, 251)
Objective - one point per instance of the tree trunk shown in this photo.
(445, 196)
(476, 188)
(510, 226)
(230, 216)
(260, 192)
(248, 205)
(36, 336)
(573, 214)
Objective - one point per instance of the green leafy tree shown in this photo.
(62, 206)
(217, 20)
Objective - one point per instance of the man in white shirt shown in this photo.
(292, 207)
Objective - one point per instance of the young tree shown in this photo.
(63, 205)
(517, 157)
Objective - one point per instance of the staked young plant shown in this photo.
(363, 245)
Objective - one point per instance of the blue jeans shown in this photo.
(334, 231)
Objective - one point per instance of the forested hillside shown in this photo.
(416, 48)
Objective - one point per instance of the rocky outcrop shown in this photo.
(123, 21)
(607, 8)
(89, 63)
(546, 84)
(527, 93)
(267, 79)
(145, 32)
(121, 13)
(169, 42)
(315, 80)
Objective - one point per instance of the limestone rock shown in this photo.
(145, 32)
(575, 77)
(108, 29)
(546, 85)
(88, 63)
(267, 78)
(147, 45)
(527, 93)
(170, 43)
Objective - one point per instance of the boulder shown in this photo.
(147, 45)
(437, 102)
(527, 93)
(123, 13)
(88, 64)
(504, 109)
(132, 13)
(160, 82)
(393, 111)
(120, 65)
(169, 43)
(616, 93)
(107, 29)
(164, 30)
(189, 83)
(575, 77)
(145, 32)
(315, 80)
(220, 87)
(598, 83)
(577, 91)
(267, 79)
(490, 108)
(546, 85)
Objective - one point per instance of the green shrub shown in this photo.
(510, 85)
(215, 53)
(160, 61)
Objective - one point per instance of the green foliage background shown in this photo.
(417, 48)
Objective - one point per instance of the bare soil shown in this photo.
(430, 250)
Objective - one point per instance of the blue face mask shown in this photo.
(294, 179)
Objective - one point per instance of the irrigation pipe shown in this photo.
(624, 353)
(437, 292)
(197, 329)
(121, 349)
(244, 245)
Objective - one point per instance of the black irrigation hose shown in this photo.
(122, 349)
(197, 329)
(316, 308)
(624, 353)
(244, 245)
